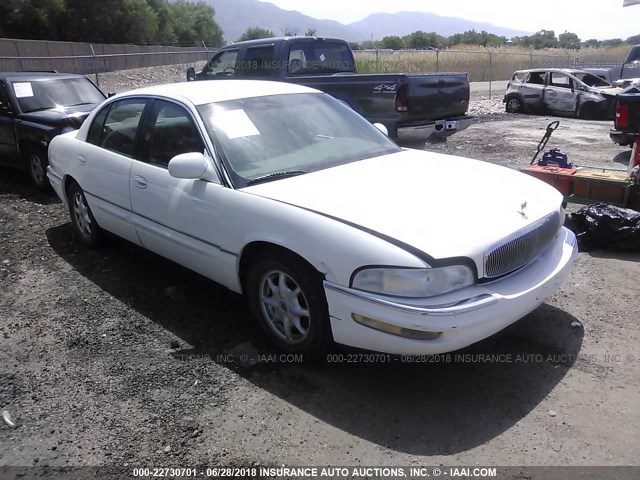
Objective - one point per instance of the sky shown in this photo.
(601, 19)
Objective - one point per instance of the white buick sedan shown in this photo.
(330, 230)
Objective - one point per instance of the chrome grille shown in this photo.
(523, 247)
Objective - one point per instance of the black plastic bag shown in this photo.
(606, 227)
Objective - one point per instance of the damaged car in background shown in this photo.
(561, 91)
(330, 230)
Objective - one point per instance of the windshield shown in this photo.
(592, 80)
(265, 138)
(57, 93)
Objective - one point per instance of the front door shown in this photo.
(8, 147)
(176, 218)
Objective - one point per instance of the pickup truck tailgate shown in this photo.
(438, 95)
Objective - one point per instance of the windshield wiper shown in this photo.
(81, 103)
(273, 176)
(41, 109)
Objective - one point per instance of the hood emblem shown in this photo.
(523, 207)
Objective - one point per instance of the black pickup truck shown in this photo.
(627, 119)
(413, 107)
(34, 108)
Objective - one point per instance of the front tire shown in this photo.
(84, 224)
(288, 302)
(514, 104)
(37, 163)
(589, 111)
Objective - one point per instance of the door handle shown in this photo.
(82, 160)
(140, 182)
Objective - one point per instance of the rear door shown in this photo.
(104, 162)
(560, 94)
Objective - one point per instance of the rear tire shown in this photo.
(589, 111)
(37, 163)
(84, 224)
(287, 301)
(514, 104)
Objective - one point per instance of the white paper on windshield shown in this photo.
(235, 124)
(23, 89)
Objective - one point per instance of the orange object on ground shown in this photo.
(561, 178)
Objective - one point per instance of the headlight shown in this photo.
(413, 282)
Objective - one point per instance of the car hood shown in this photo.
(607, 92)
(443, 205)
(69, 116)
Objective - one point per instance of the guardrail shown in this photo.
(88, 58)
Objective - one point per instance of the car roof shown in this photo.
(261, 41)
(36, 75)
(561, 70)
(209, 91)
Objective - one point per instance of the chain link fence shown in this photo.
(483, 65)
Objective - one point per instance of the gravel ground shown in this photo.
(118, 357)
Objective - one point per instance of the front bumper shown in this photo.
(464, 317)
(437, 128)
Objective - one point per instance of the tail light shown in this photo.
(402, 99)
(622, 115)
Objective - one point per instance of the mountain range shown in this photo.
(235, 16)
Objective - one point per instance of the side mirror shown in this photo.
(192, 165)
(382, 128)
(191, 74)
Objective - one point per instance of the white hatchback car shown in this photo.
(331, 230)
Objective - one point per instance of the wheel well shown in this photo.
(68, 180)
(254, 249)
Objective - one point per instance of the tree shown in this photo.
(254, 33)
(421, 40)
(311, 32)
(635, 40)
(612, 42)
(592, 42)
(544, 39)
(393, 42)
(569, 40)
(110, 21)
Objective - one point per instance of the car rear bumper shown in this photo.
(437, 128)
(620, 137)
(56, 182)
(462, 318)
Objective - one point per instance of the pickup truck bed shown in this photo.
(627, 119)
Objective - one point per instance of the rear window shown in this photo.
(519, 77)
(536, 78)
(320, 57)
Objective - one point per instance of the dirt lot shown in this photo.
(118, 357)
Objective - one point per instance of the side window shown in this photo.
(121, 124)
(561, 80)
(5, 104)
(96, 126)
(169, 131)
(259, 62)
(222, 64)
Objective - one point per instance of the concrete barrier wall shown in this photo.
(86, 58)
